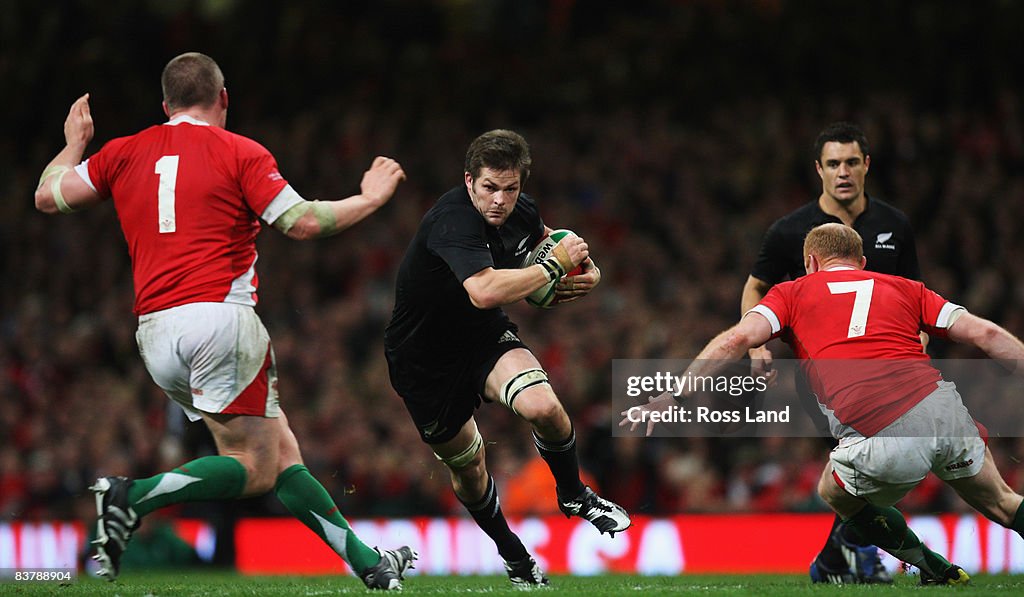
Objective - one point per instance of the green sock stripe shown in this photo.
(207, 478)
(308, 501)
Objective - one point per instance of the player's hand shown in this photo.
(661, 403)
(761, 365)
(78, 127)
(570, 251)
(570, 288)
(381, 180)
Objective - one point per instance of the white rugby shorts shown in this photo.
(937, 435)
(211, 357)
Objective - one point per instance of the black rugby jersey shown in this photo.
(433, 319)
(888, 242)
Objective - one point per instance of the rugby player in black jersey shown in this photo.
(450, 346)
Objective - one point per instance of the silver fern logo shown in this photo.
(522, 248)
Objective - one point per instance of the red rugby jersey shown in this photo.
(857, 334)
(188, 196)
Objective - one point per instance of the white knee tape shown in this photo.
(519, 382)
(463, 458)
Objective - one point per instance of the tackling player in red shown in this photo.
(896, 419)
(190, 197)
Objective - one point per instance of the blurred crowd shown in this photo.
(668, 134)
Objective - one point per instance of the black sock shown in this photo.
(564, 465)
(836, 522)
(1018, 520)
(488, 516)
(830, 556)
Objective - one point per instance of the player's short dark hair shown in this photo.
(834, 240)
(191, 79)
(841, 132)
(500, 150)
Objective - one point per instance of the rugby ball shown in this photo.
(544, 296)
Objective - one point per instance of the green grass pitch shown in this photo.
(216, 584)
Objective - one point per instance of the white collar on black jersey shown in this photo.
(180, 118)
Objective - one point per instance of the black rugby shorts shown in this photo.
(441, 394)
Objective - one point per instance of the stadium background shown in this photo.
(669, 134)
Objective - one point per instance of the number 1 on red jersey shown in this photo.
(167, 168)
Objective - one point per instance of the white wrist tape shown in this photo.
(553, 268)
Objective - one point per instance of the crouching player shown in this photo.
(895, 418)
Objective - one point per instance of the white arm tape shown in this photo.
(58, 196)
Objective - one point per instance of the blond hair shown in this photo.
(834, 241)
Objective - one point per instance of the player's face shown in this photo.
(494, 193)
(843, 168)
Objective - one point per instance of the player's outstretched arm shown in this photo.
(61, 189)
(316, 219)
(998, 343)
(752, 330)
